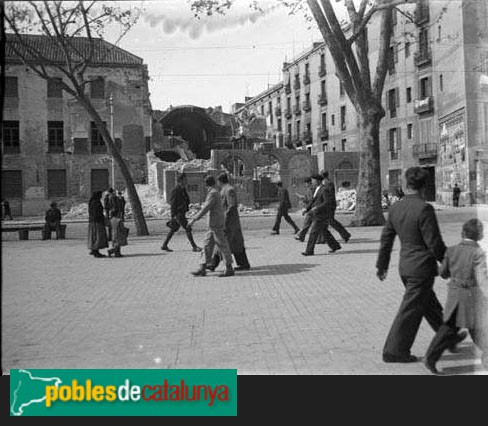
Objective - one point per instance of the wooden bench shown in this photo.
(24, 230)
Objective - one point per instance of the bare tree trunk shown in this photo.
(368, 200)
(135, 202)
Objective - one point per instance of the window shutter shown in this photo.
(399, 138)
(388, 141)
(397, 97)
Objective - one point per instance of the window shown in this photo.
(394, 142)
(394, 17)
(11, 87)
(409, 95)
(332, 120)
(262, 110)
(423, 41)
(97, 88)
(11, 137)
(439, 33)
(409, 131)
(393, 102)
(343, 144)
(55, 136)
(343, 117)
(391, 60)
(12, 184)
(325, 147)
(341, 88)
(54, 89)
(322, 87)
(324, 120)
(97, 142)
(425, 88)
(280, 126)
(298, 128)
(441, 83)
(407, 49)
(56, 183)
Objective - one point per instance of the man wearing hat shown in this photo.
(53, 222)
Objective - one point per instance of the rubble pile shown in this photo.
(346, 199)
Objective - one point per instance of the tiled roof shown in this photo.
(104, 53)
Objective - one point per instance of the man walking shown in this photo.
(422, 246)
(283, 207)
(333, 222)
(180, 204)
(232, 227)
(319, 208)
(215, 235)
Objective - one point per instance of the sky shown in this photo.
(217, 60)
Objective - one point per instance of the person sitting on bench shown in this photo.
(53, 222)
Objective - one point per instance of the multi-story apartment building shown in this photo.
(51, 149)
(435, 98)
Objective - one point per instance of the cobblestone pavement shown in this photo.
(326, 314)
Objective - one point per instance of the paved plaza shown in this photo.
(290, 314)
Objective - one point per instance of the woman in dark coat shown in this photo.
(97, 233)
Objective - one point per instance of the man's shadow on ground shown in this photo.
(278, 269)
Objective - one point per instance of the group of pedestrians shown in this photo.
(106, 223)
(224, 238)
(320, 206)
(422, 250)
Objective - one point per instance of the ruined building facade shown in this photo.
(51, 149)
(435, 98)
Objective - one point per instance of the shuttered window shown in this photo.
(11, 87)
(11, 137)
(55, 134)
(97, 88)
(56, 183)
(97, 142)
(54, 88)
(11, 184)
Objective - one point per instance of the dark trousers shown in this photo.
(49, 227)
(240, 258)
(446, 336)
(335, 224)
(182, 221)
(455, 201)
(419, 301)
(109, 228)
(320, 226)
(283, 213)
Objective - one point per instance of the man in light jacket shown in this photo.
(215, 235)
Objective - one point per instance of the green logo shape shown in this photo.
(46, 392)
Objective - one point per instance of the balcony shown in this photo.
(307, 106)
(307, 137)
(425, 150)
(421, 106)
(323, 133)
(322, 70)
(423, 57)
(288, 88)
(278, 111)
(288, 113)
(322, 99)
(306, 79)
(296, 84)
(297, 110)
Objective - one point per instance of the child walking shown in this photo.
(466, 305)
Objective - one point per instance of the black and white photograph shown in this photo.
(292, 187)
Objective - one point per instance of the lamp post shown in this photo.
(111, 99)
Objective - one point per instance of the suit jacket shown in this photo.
(329, 185)
(232, 227)
(212, 206)
(284, 198)
(320, 204)
(465, 265)
(422, 246)
(180, 200)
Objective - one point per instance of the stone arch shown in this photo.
(194, 125)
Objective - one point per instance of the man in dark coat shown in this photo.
(108, 205)
(422, 246)
(283, 207)
(180, 204)
(52, 222)
(333, 222)
(456, 192)
(232, 227)
(319, 208)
